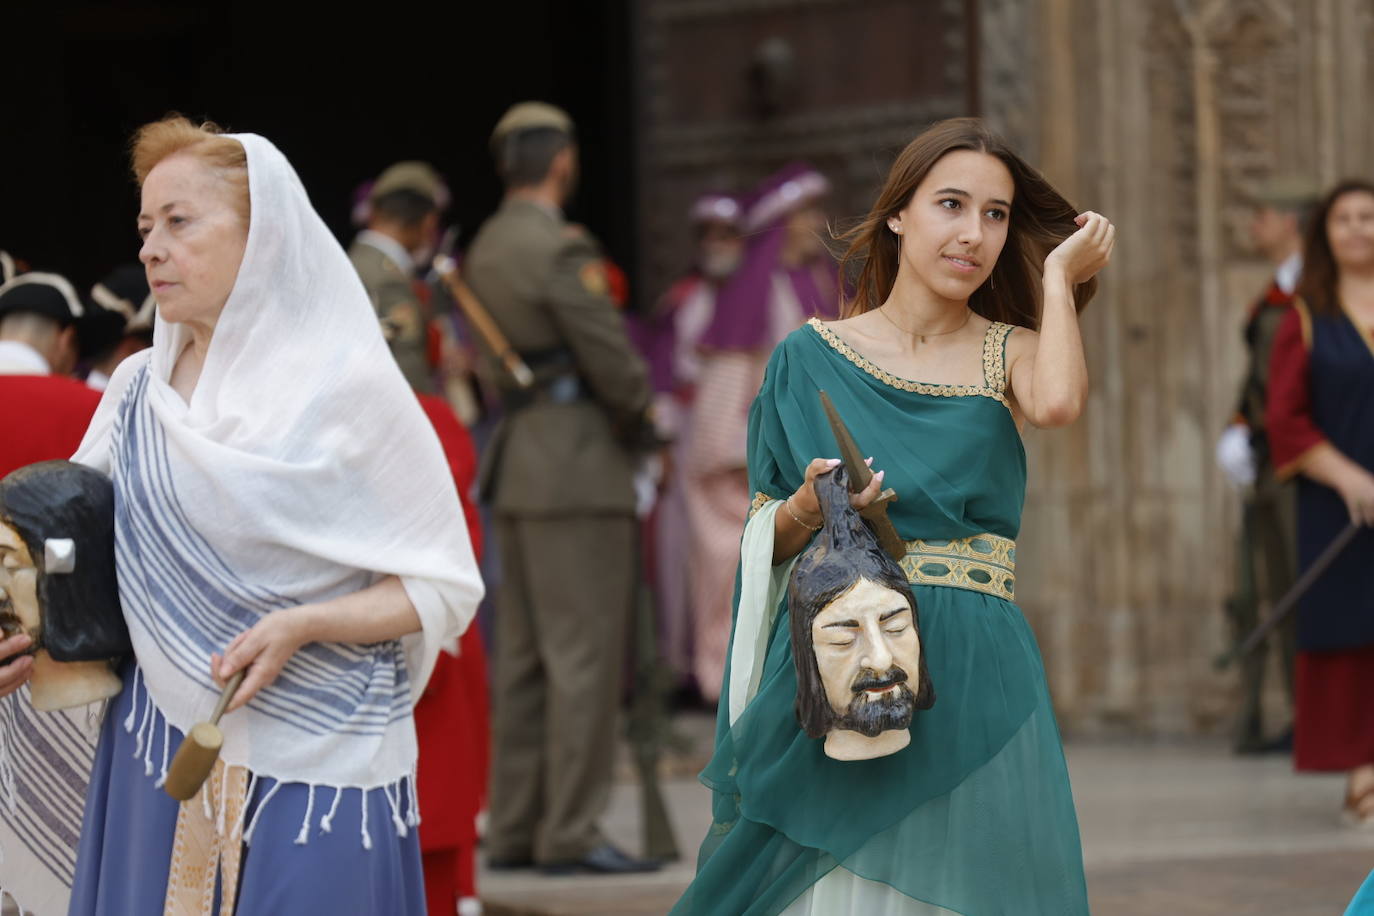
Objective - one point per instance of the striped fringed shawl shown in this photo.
(45, 762)
(338, 715)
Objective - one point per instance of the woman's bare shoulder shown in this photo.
(1021, 341)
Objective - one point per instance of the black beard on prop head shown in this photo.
(10, 624)
(870, 716)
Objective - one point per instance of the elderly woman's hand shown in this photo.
(17, 670)
(264, 649)
(380, 612)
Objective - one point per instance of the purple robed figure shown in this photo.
(670, 340)
(786, 277)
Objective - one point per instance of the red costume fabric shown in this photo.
(1292, 431)
(45, 418)
(451, 718)
(1333, 729)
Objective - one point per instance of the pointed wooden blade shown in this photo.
(860, 475)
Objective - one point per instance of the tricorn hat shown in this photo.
(47, 294)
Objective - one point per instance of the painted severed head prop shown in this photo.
(856, 639)
(57, 580)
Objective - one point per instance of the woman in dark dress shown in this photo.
(1321, 428)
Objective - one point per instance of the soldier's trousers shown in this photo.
(1266, 558)
(563, 612)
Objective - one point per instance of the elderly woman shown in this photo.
(283, 509)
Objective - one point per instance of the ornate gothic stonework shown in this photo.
(1164, 114)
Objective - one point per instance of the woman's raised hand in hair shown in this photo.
(1083, 254)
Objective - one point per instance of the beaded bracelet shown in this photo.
(796, 518)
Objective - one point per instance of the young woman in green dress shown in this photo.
(969, 274)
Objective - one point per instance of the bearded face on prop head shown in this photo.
(57, 580)
(856, 641)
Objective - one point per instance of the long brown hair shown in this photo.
(1319, 271)
(1040, 219)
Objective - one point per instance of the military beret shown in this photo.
(411, 175)
(44, 294)
(1289, 192)
(528, 116)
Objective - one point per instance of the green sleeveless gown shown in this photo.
(975, 816)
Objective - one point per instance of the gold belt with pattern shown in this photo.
(983, 563)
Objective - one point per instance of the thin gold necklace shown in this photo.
(968, 313)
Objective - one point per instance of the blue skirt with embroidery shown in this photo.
(129, 826)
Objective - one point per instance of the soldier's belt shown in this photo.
(982, 563)
(565, 388)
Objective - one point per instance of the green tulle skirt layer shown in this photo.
(974, 817)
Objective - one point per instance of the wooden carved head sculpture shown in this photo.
(57, 580)
(856, 639)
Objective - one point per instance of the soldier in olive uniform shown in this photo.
(558, 475)
(404, 211)
(1266, 551)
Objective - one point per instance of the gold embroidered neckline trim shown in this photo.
(994, 367)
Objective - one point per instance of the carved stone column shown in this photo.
(1164, 114)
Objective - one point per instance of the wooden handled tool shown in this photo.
(481, 320)
(197, 755)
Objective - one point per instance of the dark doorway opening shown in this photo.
(342, 94)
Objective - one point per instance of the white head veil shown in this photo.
(302, 468)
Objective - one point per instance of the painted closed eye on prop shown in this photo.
(57, 580)
(856, 637)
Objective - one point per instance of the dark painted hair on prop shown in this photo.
(82, 618)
